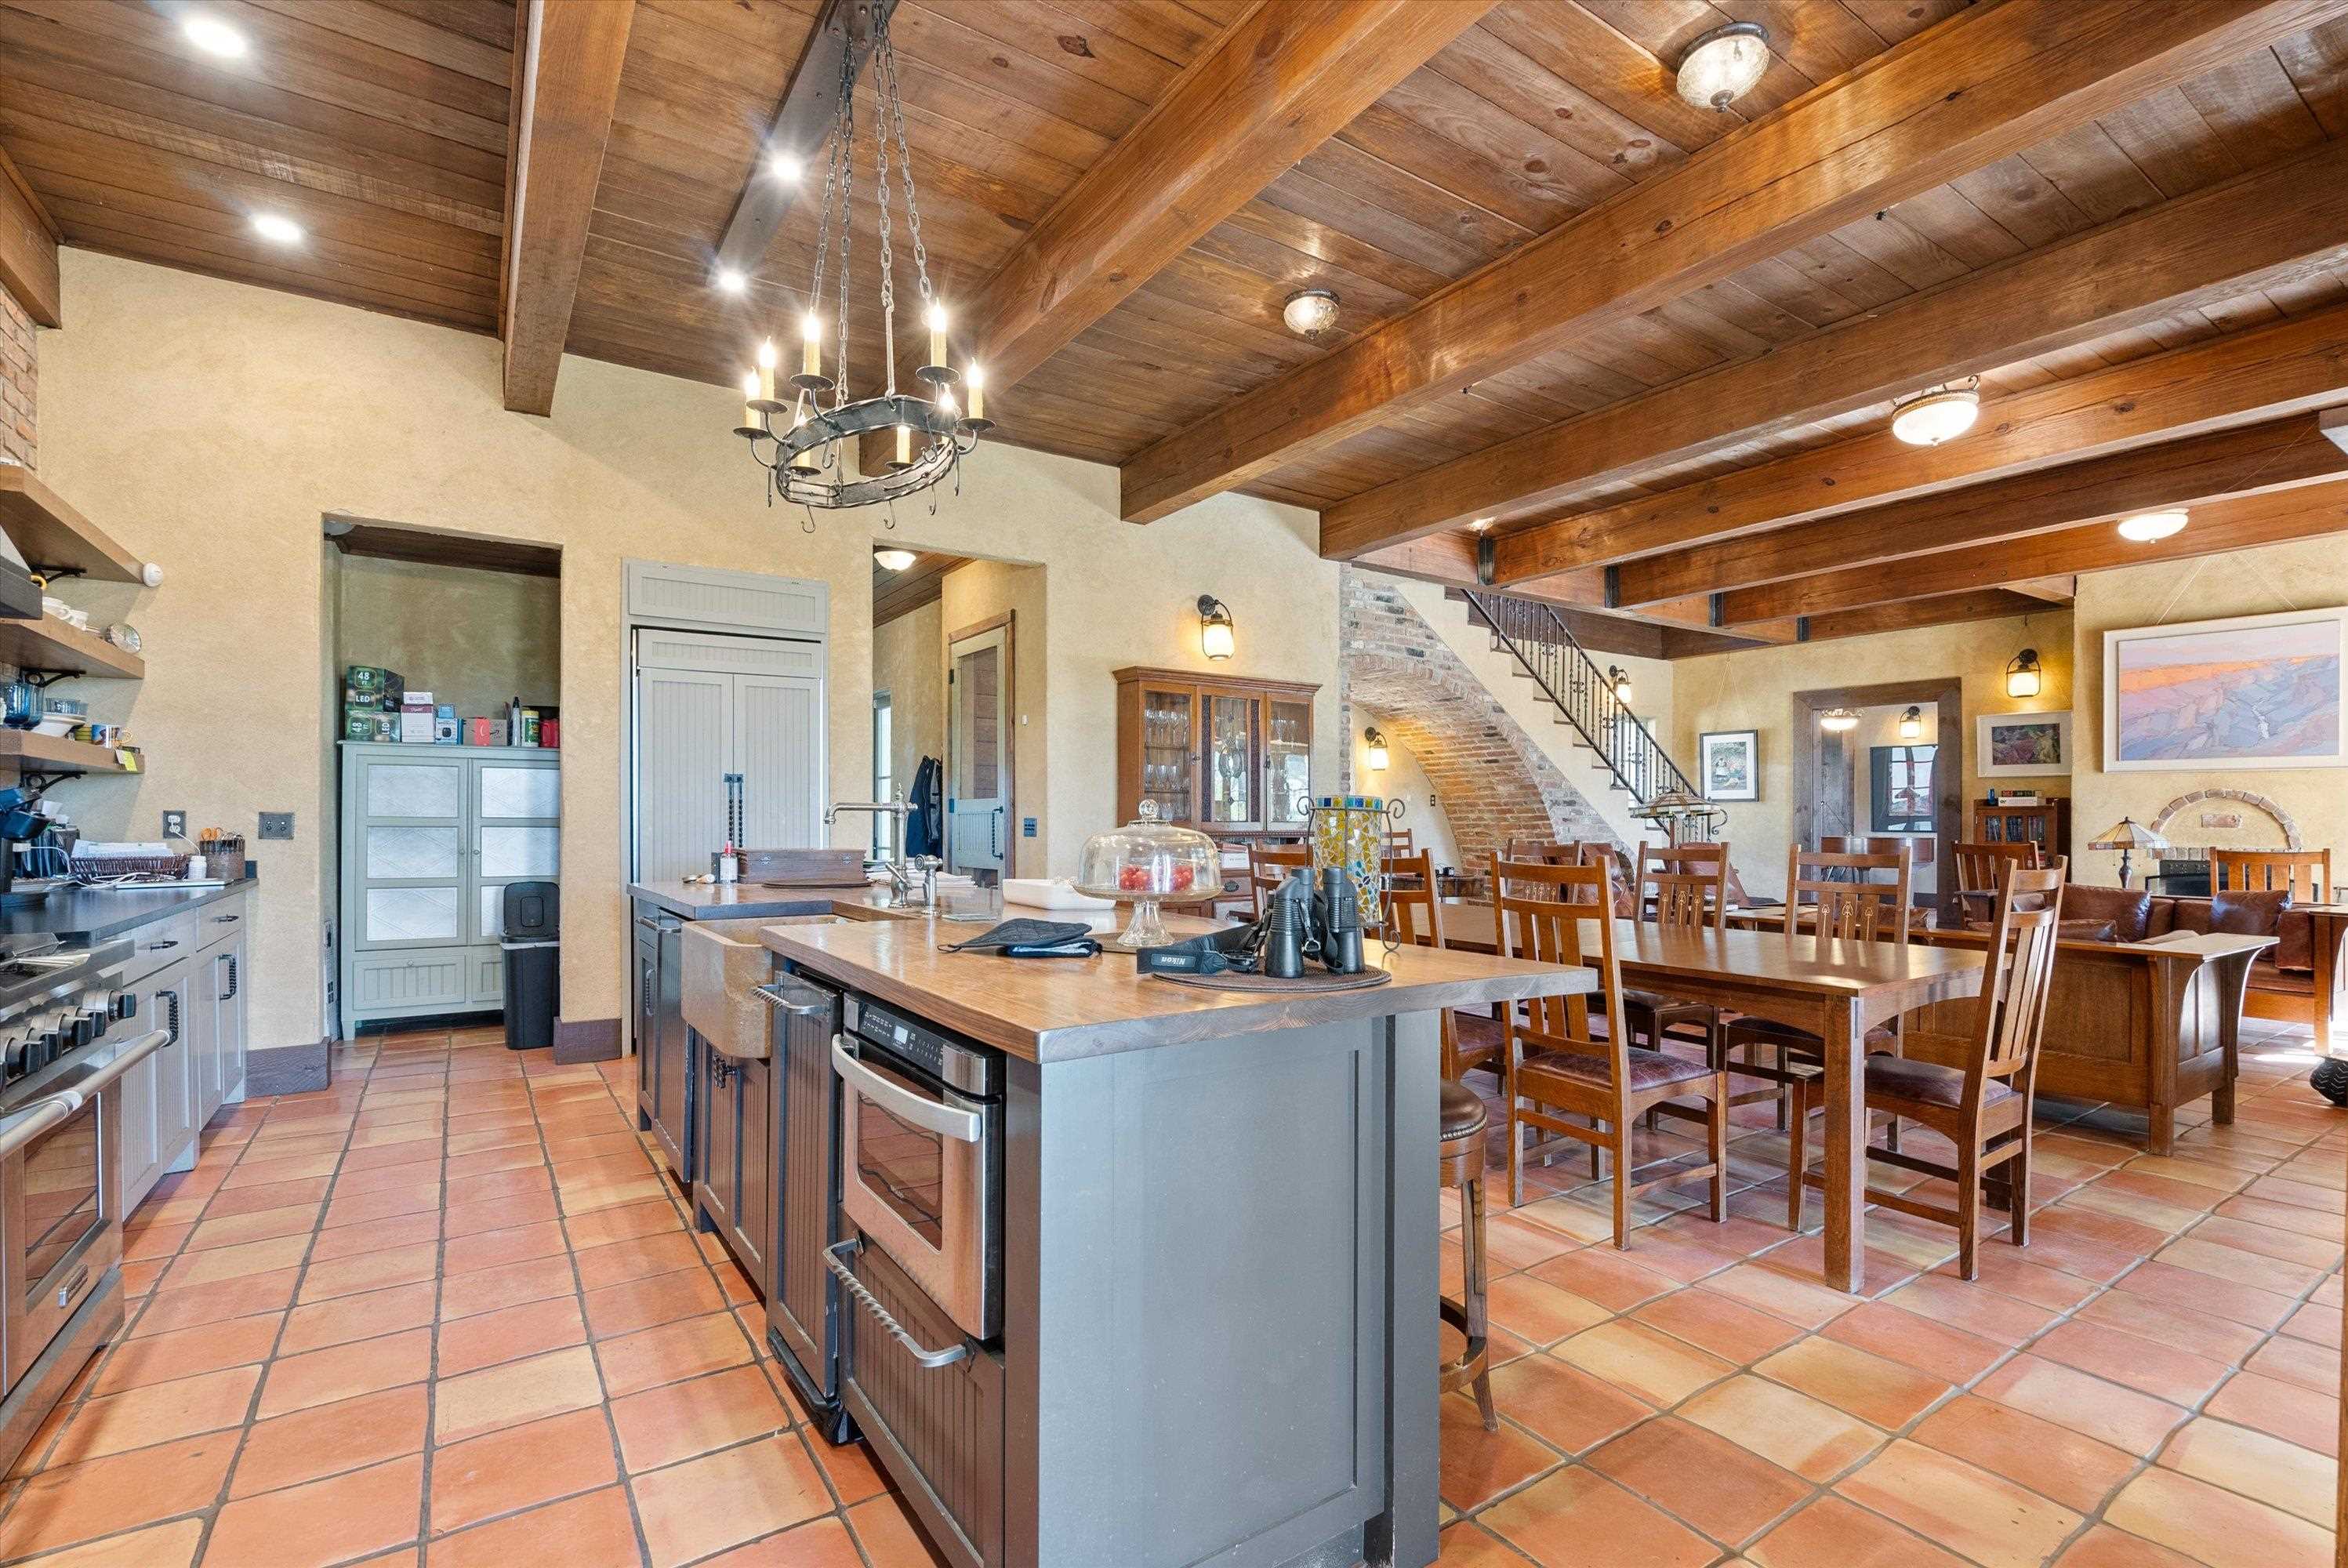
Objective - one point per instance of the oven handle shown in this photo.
(930, 1360)
(962, 1126)
(17, 1130)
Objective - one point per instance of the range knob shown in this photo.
(15, 1056)
(92, 1025)
(43, 1050)
(125, 1004)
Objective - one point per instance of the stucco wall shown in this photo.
(909, 663)
(2309, 574)
(1753, 689)
(1404, 780)
(281, 408)
(473, 639)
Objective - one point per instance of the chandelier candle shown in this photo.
(976, 381)
(752, 424)
(811, 376)
(937, 324)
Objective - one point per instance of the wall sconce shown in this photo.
(1911, 724)
(1620, 679)
(1215, 638)
(2023, 675)
(1839, 720)
(1377, 744)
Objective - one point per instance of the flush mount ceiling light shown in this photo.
(728, 281)
(1839, 720)
(1911, 724)
(893, 559)
(1309, 312)
(2023, 673)
(1480, 524)
(1217, 636)
(1376, 743)
(1941, 415)
(2146, 527)
(1723, 65)
(277, 230)
(785, 168)
(212, 35)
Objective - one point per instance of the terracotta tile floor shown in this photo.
(2153, 1382)
(446, 1314)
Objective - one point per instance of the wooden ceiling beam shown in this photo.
(2265, 373)
(2183, 472)
(2133, 270)
(1977, 87)
(2244, 524)
(571, 81)
(800, 129)
(2060, 589)
(1942, 610)
(1275, 86)
(28, 249)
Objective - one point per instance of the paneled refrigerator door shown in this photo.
(412, 859)
(778, 730)
(682, 737)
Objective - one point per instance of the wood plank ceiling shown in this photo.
(383, 127)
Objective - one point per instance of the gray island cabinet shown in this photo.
(1217, 1224)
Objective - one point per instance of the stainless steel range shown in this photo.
(66, 1034)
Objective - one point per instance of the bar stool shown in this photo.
(1463, 1120)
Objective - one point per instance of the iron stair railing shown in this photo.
(1547, 652)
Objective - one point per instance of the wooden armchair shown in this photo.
(2306, 874)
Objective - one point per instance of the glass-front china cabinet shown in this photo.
(1226, 757)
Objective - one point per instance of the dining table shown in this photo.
(1836, 988)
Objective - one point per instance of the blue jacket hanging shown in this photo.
(925, 827)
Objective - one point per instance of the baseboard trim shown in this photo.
(288, 1070)
(586, 1040)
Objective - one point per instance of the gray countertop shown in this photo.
(748, 900)
(84, 914)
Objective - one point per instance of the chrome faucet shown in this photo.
(904, 875)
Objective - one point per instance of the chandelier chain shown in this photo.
(884, 80)
(844, 142)
(823, 226)
(887, 252)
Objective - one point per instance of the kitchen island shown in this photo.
(1215, 1226)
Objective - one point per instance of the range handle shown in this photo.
(930, 1360)
(930, 1115)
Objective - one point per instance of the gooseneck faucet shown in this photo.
(906, 876)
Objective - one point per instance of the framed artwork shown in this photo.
(2250, 691)
(2018, 745)
(1728, 762)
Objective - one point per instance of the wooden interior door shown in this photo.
(980, 742)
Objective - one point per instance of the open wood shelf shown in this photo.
(50, 643)
(55, 754)
(49, 533)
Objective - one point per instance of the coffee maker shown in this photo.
(21, 822)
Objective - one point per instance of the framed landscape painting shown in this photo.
(2252, 691)
(1729, 762)
(2017, 745)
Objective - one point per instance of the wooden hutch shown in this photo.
(1229, 756)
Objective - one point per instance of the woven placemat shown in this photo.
(1302, 983)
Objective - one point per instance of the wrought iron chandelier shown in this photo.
(800, 440)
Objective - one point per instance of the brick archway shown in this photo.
(1491, 781)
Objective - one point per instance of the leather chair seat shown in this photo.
(1648, 1070)
(1459, 1112)
(1666, 1011)
(1482, 1039)
(1926, 1083)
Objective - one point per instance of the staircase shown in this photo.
(1547, 654)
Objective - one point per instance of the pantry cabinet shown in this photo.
(430, 837)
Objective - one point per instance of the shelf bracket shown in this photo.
(40, 680)
(38, 784)
(54, 573)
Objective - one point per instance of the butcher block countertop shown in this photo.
(743, 900)
(1061, 1009)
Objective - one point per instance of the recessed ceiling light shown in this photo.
(1309, 312)
(731, 282)
(1723, 65)
(1941, 415)
(785, 168)
(277, 230)
(213, 36)
(1480, 524)
(894, 560)
(2146, 527)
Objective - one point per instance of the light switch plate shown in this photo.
(277, 824)
(175, 825)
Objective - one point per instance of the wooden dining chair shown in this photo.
(1684, 887)
(1556, 1066)
(2305, 873)
(1980, 870)
(1851, 900)
(1269, 865)
(1400, 844)
(1984, 1107)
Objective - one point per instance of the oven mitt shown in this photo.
(1031, 939)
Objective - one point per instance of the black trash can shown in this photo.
(533, 949)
